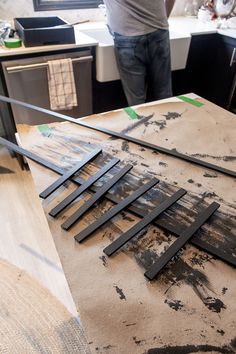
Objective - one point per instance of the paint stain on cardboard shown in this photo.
(189, 349)
(174, 304)
(104, 260)
(5, 170)
(172, 115)
(120, 292)
(213, 304)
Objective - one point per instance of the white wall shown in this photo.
(10, 9)
(24, 8)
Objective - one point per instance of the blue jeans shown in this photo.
(144, 63)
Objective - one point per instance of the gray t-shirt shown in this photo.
(136, 17)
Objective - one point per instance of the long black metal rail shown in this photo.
(128, 235)
(217, 252)
(115, 210)
(87, 184)
(31, 156)
(202, 217)
(154, 147)
(67, 175)
(98, 195)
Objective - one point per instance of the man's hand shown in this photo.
(169, 6)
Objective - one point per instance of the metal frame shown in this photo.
(60, 181)
(20, 68)
(127, 236)
(157, 267)
(87, 184)
(98, 195)
(115, 210)
(154, 270)
(217, 252)
(166, 151)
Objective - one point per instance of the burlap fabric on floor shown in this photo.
(32, 320)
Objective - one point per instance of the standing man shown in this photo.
(142, 46)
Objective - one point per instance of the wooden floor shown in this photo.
(25, 238)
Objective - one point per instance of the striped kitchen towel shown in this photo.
(61, 84)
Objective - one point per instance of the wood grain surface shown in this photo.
(26, 240)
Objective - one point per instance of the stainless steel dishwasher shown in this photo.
(26, 80)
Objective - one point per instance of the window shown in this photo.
(47, 5)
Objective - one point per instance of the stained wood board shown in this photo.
(191, 306)
(26, 240)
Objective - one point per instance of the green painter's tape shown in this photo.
(131, 113)
(12, 42)
(44, 129)
(191, 101)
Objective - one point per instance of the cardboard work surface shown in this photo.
(191, 306)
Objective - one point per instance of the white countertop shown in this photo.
(193, 26)
(185, 25)
(81, 40)
(228, 32)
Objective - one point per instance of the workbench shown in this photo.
(190, 307)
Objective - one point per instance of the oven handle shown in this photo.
(19, 68)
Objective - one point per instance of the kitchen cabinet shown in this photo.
(225, 71)
(15, 85)
(27, 81)
(200, 68)
(107, 96)
(210, 70)
(2, 131)
(6, 117)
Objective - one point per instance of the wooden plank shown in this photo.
(26, 240)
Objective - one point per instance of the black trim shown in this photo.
(148, 219)
(87, 184)
(154, 270)
(67, 175)
(96, 197)
(115, 210)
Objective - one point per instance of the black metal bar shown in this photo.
(100, 193)
(30, 155)
(214, 251)
(72, 196)
(123, 239)
(115, 210)
(161, 149)
(202, 217)
(60, 181)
